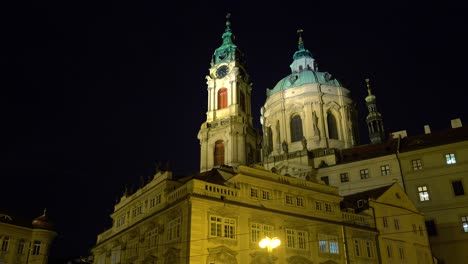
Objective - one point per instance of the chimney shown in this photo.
(427, 129)
(456, 123)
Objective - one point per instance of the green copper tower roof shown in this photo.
(303, 71)
(228, 51)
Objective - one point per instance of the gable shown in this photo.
(396, 196)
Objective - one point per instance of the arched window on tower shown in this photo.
(332, 126)
(219, 153)
(222, 98)
(269, 146)
(296, 128)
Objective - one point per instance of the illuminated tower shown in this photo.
(227, 137)
(374, 119)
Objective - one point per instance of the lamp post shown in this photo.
(269, 243)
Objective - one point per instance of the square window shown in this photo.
(450, 158)
(344, 177)
(266, 195)
(458, 188)
(417, 164)
(300, 201)
(385, 170)
(253, 193)
(364, 173)
(423, 193)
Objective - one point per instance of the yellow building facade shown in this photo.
(23, 242)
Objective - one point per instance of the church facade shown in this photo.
(306, 182)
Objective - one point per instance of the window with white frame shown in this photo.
(464, 220)
(344, 177)
(5, 242)
(370, 249)
(450, 158)
(296, 239)
(266, 195)
(300, 201)
(36, 250)
(328, 207)
(137, 210)
(152, 238)
(259, 231)
(364, 173)
(173, 229)
(222, 227)
(423, 193)
(328, 244)
(417, 164)
(385, 170)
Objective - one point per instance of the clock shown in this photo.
(222, 71)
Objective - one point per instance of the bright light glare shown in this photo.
(269, 243)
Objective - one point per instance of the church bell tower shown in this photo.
(227, 137)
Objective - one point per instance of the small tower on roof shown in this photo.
(374, 119)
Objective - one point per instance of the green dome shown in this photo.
(304, 77)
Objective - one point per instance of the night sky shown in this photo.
(94, 94)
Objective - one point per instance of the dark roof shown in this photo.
(214, 175)
(368, 151)
(372, 193)
(436, 138)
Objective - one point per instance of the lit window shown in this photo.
(458, 188)
(328, 244)
(385, 170)
(364, 173)
(344, 177)
(173, 229)
(222, 227)
(296, 239)
(259, 231)
(465, 223)
(450, 158)
(417, 164)
(423, 193)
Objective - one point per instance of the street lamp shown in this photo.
(269, 243)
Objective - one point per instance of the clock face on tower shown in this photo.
(222, 71)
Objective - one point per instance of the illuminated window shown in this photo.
(259, 231)
(385, 170)
(296, 128)
(465, 223)
(328, 244)
(417, 164)
(344, 177)
(222, 227)
(450, 158)
(222, 98)
(423, 193)
(458, 188)
(364, 173)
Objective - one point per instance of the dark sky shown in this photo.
(95, 93)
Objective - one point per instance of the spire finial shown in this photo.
(301, 42)
(228, 23)
(368, 86)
